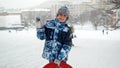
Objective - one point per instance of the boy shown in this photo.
(58, 41)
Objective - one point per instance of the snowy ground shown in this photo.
(92, 49)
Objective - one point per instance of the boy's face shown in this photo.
(62, 17)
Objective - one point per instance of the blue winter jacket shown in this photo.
(58, 40)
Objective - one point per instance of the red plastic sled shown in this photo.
(65, 65)
(51, 65)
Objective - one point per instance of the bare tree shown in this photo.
(116, 2)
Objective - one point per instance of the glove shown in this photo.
(57, 61)
(38, 23)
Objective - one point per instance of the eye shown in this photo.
(64, 15)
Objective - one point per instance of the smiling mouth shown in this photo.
(61, 19)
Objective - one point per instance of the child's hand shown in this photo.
(57, 61)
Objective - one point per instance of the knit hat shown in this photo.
(63, 10)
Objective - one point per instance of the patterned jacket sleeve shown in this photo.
(68, 38)
(41, 33)
(66, 47)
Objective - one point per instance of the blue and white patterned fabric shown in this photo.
(57, 40)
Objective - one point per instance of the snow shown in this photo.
(95, 50)
(10, 20)
(92, 49)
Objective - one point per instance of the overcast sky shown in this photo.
(19, 3)
(28, 3)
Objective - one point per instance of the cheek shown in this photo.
(65, 18)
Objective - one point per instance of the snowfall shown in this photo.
(92, 49)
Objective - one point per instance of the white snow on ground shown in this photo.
(91, 49)
(95, 50)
